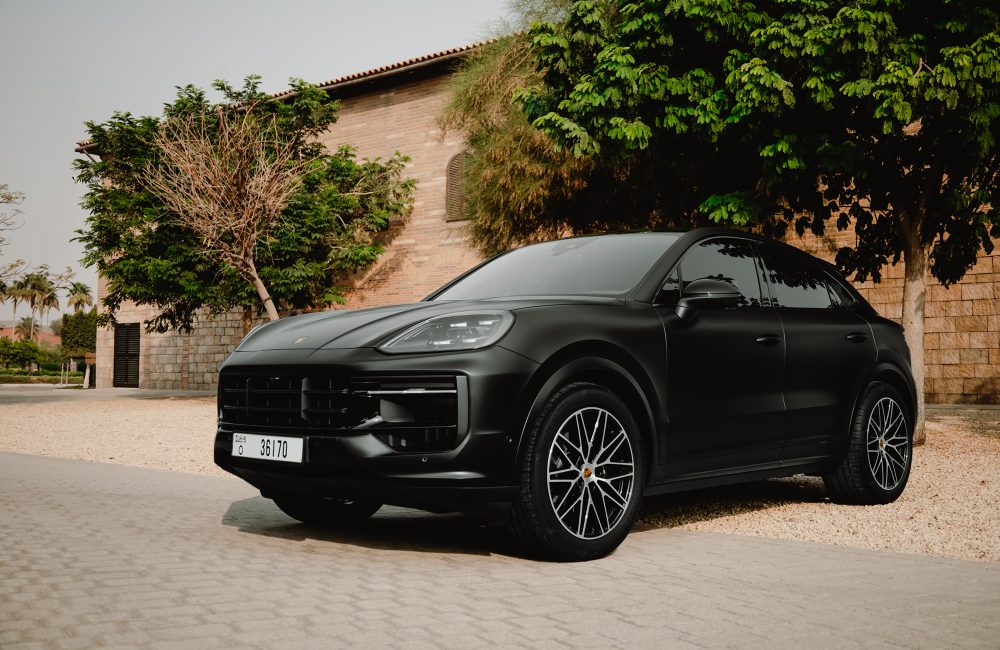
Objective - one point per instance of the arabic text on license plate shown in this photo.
(248, 445)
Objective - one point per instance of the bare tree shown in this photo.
(228, 175)
(8, 217)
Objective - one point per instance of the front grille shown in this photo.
(408, 414)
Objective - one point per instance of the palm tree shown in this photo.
(79, 297)
(17, 292)
(35, 288)
(47, 301)
(25, 329)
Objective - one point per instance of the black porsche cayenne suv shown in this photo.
(561, 382)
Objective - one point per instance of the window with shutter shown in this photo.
(455, 188)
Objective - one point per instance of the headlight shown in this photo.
(462, 331)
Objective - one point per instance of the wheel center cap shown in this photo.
(587, 473)
(881, 443)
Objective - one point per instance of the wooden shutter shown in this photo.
(455, 188)
(126, 356)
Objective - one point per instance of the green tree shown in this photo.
(79, 333)
(25, 353)
(150, 256)
(883, 114)
(520, 186)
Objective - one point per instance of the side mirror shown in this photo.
(707, 294)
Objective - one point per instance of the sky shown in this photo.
(64, 63)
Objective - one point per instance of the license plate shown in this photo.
(248, 445)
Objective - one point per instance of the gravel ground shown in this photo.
(950, 508)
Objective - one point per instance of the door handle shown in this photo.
(769, 339)
(856, 337)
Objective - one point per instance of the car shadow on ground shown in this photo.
(685, 508)
(391, 528)
(395, 528)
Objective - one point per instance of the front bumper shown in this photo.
(357, 464)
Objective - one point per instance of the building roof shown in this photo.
(381, 72)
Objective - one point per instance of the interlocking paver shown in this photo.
(100, 555)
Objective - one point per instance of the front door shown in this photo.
(724, 368)
(126, 356)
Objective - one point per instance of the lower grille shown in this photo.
(408, 414)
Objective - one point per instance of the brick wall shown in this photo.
(427, 250)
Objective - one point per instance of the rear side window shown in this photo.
(731, 260)
(797, 284)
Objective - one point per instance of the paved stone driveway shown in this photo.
(95, 555)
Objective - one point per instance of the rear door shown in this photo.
(829, 351)
(723, 367)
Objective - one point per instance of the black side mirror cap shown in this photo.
(707, 294)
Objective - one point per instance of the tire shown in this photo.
(579, 495)
(326, 512)
(879, 453)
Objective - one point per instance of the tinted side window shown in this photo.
(731, 260)
(795, 283)
(839, 295)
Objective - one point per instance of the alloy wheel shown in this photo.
(888, 443)
(590, 473)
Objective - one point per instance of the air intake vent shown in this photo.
(408, 414)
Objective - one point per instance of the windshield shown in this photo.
(609, 265)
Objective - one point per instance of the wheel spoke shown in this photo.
(572, 471)
(572, 446)
(617, 442)
(614, 495)
(893, 425)
(601, 505)
(584, 508)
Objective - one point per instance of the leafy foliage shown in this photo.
(19, 353)
(884, 114)
(79, 333)
(520, 186)
(150, 257)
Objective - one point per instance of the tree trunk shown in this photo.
(247, 320)
(914, 291)
(265, 297)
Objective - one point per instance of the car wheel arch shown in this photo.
(603, 365)
(893, 376)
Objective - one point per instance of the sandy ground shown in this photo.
(950, 508)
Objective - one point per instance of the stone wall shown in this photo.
(172, 360)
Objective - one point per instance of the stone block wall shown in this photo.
(172, 360)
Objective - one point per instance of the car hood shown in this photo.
(340, 329)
